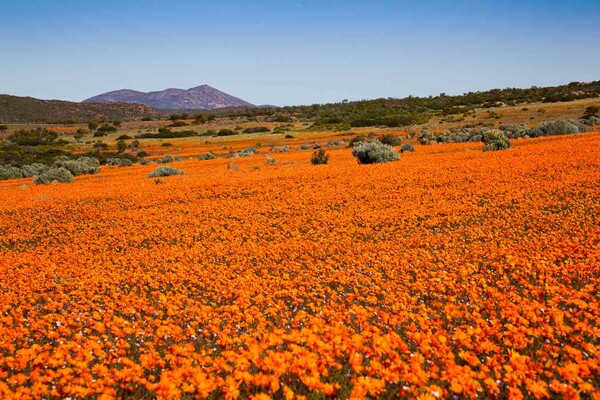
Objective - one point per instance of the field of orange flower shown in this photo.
(452, 273)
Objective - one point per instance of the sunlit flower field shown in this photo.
(452, 273)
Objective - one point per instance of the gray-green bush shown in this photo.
(58, 174)
(81, 166)
(206, 156)
(494, 140)
(168, 159)
(165, 170)
(591, 120)
(10, 172)
(390, 139)
(562, 127)
(407, 147)
(33, 169)
(374, 152)
(119, 162)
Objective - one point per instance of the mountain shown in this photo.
(200, 97)
(15, 109)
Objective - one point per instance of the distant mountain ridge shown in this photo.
(200, 97)
(16, 109)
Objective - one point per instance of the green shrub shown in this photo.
(309, 146)
(390, 140)
(167, 144)
(176, 117)
(176, 124)
(319, 157)
(166, 133)
(407, 147)
(35, 137)
(10, 172)
(249, 151)
(58, 174)
(3, 127)
(121, 146)
(33, 169)
(168, 159)
(494, 140)
(592, 111)
(206, 156)
(106, 128)
(165, 170)
(374, 152)
(124, 137)
(80, 133)
(400, 120)
(283, 149)
(226, 132)
(100, 145)
(119, 162)
(144, 161)
(256, 129)
(288, 136)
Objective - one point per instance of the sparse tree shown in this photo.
(121, 146)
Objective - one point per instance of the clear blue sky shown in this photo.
(295, 52)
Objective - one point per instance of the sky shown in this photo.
(290, 52)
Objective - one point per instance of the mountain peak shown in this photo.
(199, 97)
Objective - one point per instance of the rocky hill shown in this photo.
(201, 97)
(15, 109)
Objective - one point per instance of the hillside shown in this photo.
(15, 109)
(414, 110)
(202, 97)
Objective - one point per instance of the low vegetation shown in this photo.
(168, 159)
(206, 156)
(411, 110)
(165, 170)
(256, 129)
(319, 157)
(374, 152)
(119, 162)
(53, 174)
(494, 140)
(80, 166)
(34, 137)
(166, 133)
